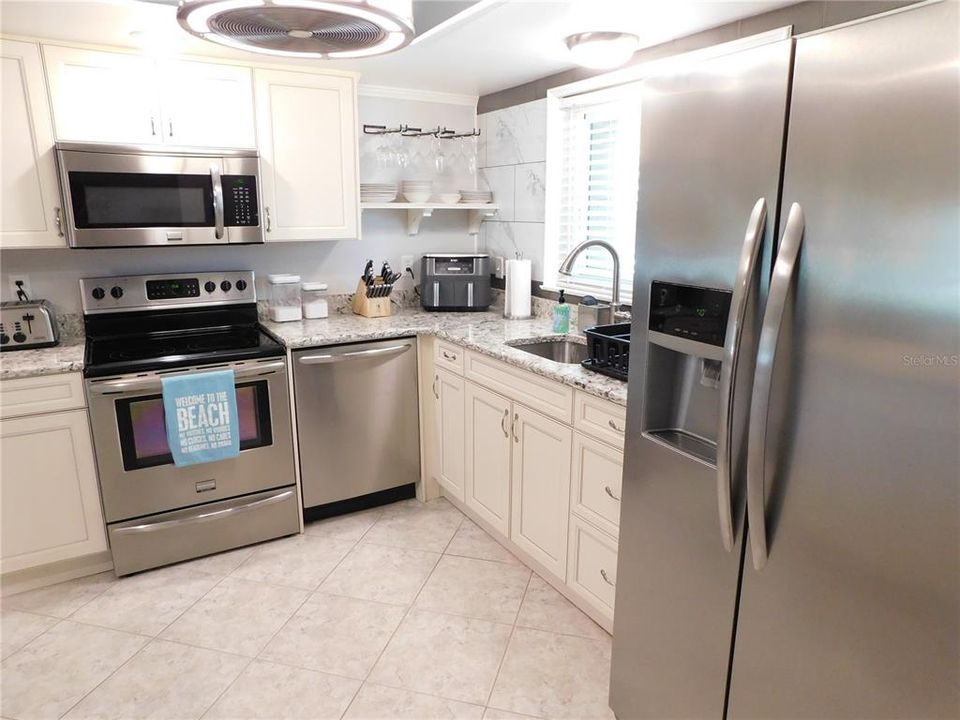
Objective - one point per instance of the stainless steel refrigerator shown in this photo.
(789, 543)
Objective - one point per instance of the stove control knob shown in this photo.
(225, 286)
(4, 338)
(98, 293)
(209, 286)
(241, 285)
(19, 337)
(116, 292)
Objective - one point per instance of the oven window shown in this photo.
(140, 200)
(143, 434)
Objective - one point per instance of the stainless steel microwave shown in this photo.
(135, 195)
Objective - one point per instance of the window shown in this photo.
(595, 169)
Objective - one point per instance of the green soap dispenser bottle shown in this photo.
(561, 315)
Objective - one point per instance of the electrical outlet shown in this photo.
(25, 280)
(500, 267)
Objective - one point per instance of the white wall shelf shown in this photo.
(417, 211)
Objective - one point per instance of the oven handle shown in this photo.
(203, 517)
(217, 201)
(108, 387)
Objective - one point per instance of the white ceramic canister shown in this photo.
(314, 298)
(284, 304)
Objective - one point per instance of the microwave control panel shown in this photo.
(240, 203)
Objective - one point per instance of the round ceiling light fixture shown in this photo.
(602, 50)
(302, 28)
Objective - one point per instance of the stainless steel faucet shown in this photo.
(566, 268)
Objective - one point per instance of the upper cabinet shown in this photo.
(124, 98)
(307, 133)
(29, 196)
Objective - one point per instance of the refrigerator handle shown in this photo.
(743, 286)
(784, 273)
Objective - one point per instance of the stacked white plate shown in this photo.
(476, 196)
(378, 192)
(417, 191)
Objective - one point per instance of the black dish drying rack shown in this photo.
(608, 349)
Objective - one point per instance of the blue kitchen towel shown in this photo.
(200, 410)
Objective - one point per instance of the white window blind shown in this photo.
(599, 156)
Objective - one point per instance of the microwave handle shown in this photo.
(217, 201)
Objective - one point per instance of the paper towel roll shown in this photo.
(516, 303)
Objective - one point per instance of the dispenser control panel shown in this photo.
(690, 312)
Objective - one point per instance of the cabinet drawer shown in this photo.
(602, 419)
(592, 566)
(597, 474)
(42, 394)
(546, 396)
(448, 356)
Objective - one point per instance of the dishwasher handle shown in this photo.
(373, 352)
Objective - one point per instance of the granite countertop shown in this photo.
(486, 332)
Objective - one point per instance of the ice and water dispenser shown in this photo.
(686, 329)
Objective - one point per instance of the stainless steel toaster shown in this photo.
(455, 281)
(27, 325)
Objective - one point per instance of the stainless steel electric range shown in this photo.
(140, 329)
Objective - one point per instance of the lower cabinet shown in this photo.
(541, 487)
(592, 570)
(51, 503)
(488, 443)
(449, 419)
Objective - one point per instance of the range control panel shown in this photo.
(240, 204)
(145, 292)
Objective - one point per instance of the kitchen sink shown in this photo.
(561, 351)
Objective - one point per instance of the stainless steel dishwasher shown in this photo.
(357, 420)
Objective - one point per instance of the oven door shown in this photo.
(137, 474)
(126, 199)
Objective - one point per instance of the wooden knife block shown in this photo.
(371, 307)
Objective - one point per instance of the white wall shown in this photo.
(512, 157)
(54, 273)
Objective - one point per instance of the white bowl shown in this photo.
(449, 198)
(417, 197)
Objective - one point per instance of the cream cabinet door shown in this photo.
(49, 500)
(448, 391)
(488, 445)
(29, 193)
(207, 105)
(597, 476)
(103, 96)
(541, 488)
(307, 135)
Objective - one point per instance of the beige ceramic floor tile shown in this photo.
(237, 616)
(376, 702)
(19, 628)
(475, 588)
(382, 573)
(281, 692)
(56, 670)
(164, 680)
(62, 599)
(473, 541)
(345, 527)
(416, 526)
(545, 609)
(333, 634)
(494, 714)
(555, 676)
(445, 655)
(301, 561)
(146, 603)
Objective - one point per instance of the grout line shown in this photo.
(506, 648)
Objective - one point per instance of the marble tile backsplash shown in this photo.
(512, 153)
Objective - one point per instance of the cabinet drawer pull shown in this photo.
(59, 221)
(516, 419)
(436, 393)
(603, 574)
(448, 356)
(503, 423)
(613, 425)
(153, 126)
(608, 491)
(266, 210)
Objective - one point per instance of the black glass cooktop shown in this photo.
(140, 342)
